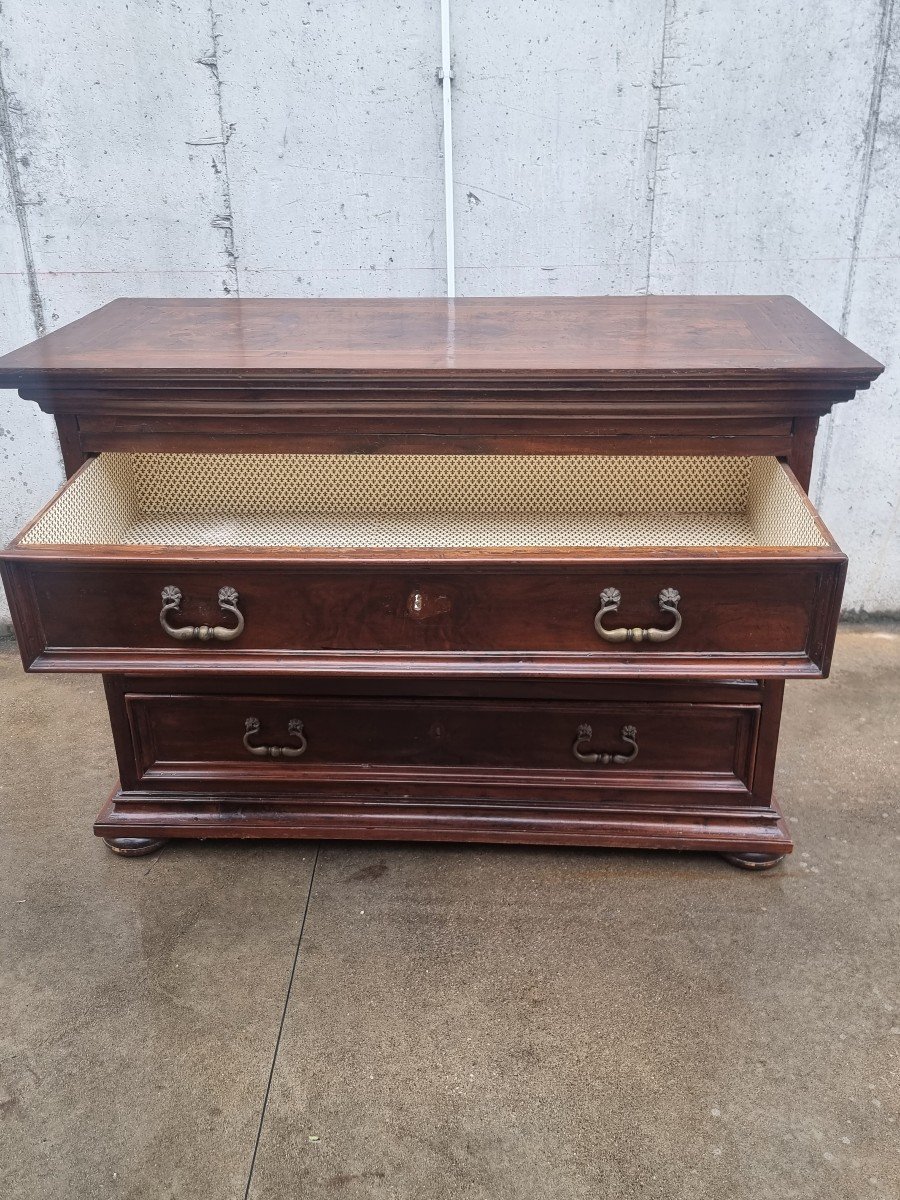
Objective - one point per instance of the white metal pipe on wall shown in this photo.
(183, 148)
(446, 76)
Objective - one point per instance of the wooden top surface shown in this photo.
(552, 338)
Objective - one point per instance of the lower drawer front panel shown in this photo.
(437, 747)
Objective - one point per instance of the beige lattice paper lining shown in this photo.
(358, 501)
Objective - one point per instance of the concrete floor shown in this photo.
(385, 1021)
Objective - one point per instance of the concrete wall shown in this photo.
(220, 147)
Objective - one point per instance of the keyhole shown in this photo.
(415, 603)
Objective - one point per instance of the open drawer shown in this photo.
(550, 566)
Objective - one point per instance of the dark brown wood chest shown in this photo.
(512, 570)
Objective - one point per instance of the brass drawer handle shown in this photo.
(628, 734)
(228, 598)
(295, 729)
(611, 598)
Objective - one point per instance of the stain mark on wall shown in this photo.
(17, 192)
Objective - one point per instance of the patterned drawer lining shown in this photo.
(350, 501)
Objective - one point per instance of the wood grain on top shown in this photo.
(485, 338)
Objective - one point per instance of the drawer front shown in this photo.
(755, 616)
(439, 747)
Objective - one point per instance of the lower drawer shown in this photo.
(650, 743)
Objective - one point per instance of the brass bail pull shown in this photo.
(295, 730)
(611, 598)
(581, 751)
(228, 599)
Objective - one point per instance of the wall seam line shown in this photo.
(279, 1035)
(226, 221)
(652, 174)
(871, 133)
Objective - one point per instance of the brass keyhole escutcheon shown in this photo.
(422, 606)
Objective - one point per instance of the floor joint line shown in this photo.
(287, 1000)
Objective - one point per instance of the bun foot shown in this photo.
(134, 847)
(754, 862)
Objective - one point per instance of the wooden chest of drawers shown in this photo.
(486, 570)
